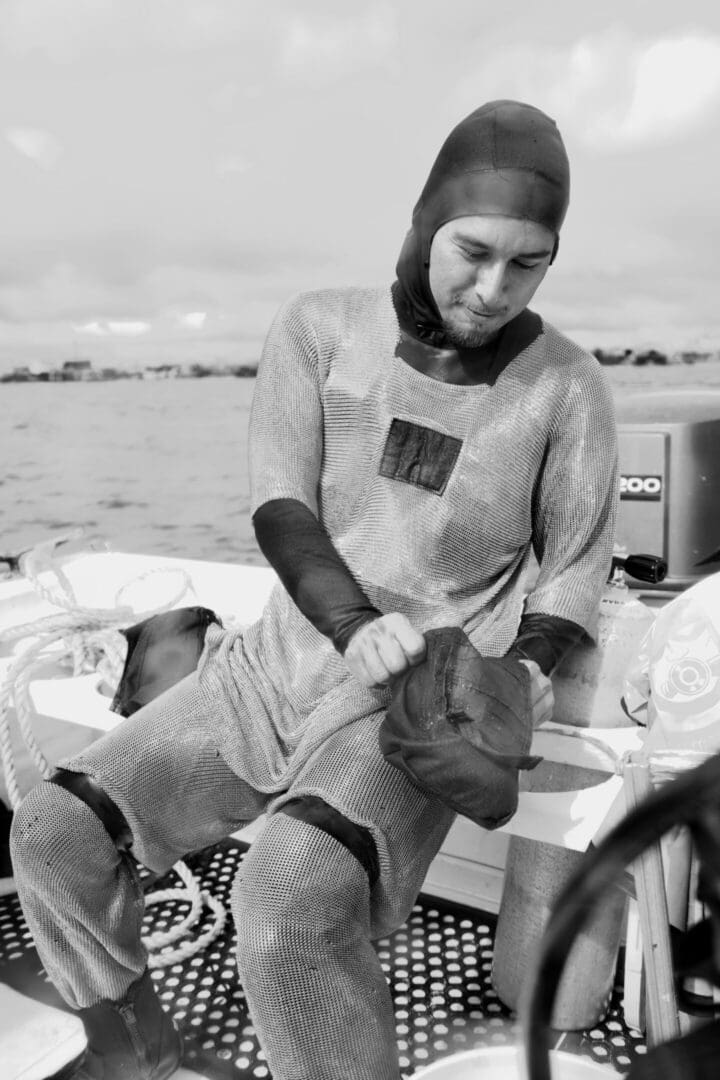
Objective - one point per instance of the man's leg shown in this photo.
(157, 781)
(312, 894)
(80, 895)
(302, 908)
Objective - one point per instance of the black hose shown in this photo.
(680, 802)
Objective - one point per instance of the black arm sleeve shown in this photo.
(303, 556)
(546, 639)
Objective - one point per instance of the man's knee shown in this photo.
(51, 823)
(299, 886)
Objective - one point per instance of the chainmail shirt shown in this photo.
(434, 494)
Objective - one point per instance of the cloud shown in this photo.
(128, 327)
(194, 320)
(232, 165)
(74, 28)
(611, 91)
(320, 48)
(95, 329)
(677, 82)
(669, 86)
(34, 143)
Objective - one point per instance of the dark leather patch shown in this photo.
(419, 455)
(86, 789)
(162, 650)
(356, 838)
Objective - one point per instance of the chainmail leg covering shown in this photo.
(163, 770)
(315, 988)
(350, 773)
(81, 897)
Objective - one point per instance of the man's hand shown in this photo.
(542, 699)
(384, 648)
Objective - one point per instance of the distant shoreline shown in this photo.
(645, 364)
(83, 371)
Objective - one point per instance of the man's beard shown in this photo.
(469, 337)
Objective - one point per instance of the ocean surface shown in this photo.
(158, 467)
(161, 466)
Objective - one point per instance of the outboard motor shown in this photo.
(670, 480)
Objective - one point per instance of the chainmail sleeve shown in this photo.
(575, 503)
(286, 443)
(286, 418)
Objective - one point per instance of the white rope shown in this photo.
(92, 638)
(157, 943)
(581, 733)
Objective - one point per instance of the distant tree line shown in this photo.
(647, 356)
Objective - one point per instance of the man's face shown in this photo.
(484, 271)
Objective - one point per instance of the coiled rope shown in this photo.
(92, 639)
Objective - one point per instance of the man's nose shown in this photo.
(490, 285)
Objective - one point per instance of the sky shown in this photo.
(173, 170)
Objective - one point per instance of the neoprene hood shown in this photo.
(505, 158)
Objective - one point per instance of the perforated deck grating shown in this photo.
(438, 966)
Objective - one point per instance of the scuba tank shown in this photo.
(588, 682)
(588, 687)
(689, 800)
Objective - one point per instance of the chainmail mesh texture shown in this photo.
(537, 468)
(350, 773)
(81, 898)
(315, 987)
(162, 768)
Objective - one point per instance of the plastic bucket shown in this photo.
(508, 1063)
(535, 874)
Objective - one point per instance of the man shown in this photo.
(410, 447)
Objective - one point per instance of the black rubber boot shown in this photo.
(7, 881)
(132, 1039)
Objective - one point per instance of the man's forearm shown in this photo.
(305, 559)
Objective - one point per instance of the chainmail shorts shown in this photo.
(164, 770)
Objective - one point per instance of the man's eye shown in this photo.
(526, 265)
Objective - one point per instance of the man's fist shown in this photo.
(384, 648)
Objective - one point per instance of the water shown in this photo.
(157, 467)
(161, 467)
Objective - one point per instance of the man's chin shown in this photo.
(471, 337)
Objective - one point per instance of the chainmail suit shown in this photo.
(528, 461)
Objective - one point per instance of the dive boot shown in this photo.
(132, 1039)
(7, 881)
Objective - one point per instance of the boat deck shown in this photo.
(438, 966)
